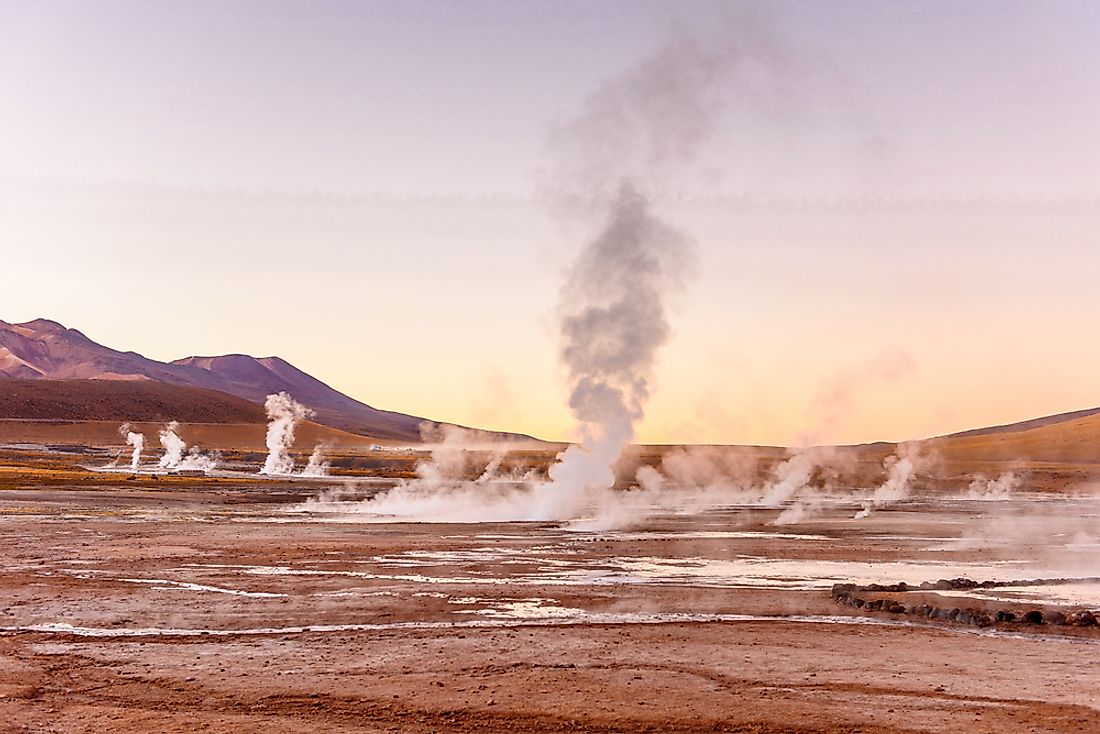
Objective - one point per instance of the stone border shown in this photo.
(850, 595)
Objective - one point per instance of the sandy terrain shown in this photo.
(226, 605)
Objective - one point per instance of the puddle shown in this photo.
(744, 572)
(1069, 595)
(707, 535)
(166, 585)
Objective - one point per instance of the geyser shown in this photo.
(173, 446)
(637, 133)
(317, 466)
(899, 472)
(284, 414)
(137, 440)
(614, 321)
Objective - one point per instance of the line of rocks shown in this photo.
(849, 595)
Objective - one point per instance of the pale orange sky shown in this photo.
(182, 179)
(988, 303)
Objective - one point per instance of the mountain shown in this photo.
(254, 379)
(44, 349)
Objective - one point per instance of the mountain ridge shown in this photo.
(45, 349)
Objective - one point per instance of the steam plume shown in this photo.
(137, 440)
(638, 132)
(1000, 488)
(797, 512)
(614, 322)
(173, 446)
(791, 476)
(317, 466)
(899, 468)
(197, 461)
(284, 414)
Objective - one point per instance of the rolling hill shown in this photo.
(1027, 425)
(1066, 438)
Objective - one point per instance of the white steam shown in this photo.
(638, 134)
(899, 472)
(195, 460)
(997, 489)
(792, 475)
(284, 414)
(174, 457)
(614, 323)
(174, 446)
(317, 466)
(137, 440)
(797, 512)
(462, 481)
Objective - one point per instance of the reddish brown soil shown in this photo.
(122, 400)
(77, 557)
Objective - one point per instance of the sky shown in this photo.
(896, 225)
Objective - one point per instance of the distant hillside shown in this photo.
(1051, 439)
(46, 350)
(254, 378)
(112, 400)
(1027, 425)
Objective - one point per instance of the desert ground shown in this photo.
(180, 603)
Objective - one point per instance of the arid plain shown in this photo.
(166, 602)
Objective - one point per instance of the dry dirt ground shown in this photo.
(212, 607)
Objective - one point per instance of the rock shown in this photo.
(1083, 619)
(1033, 617)
(1055, 617)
